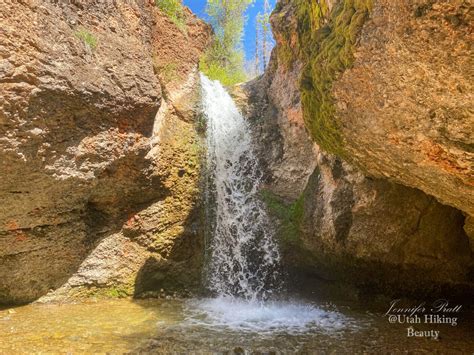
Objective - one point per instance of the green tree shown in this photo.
(224, 60)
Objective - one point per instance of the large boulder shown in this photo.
(334, 219)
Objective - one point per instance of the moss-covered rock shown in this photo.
(328, 40)
(289, 215)
(334, 222)
(384, 86)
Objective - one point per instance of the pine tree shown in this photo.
(257, 47)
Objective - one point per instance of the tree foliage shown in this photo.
(224, 60)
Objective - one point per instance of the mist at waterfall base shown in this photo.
(243, 269)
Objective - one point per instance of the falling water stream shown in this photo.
(244, 257)
(243, 267)
(246, 313)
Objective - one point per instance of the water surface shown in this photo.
(207, 326)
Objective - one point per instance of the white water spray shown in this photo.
(244, 257)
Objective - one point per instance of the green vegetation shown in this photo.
(201, 123)
(289, 231)
(174, 10)
(330, 53)
(112, 291)
(289, 215)
(224, 60)
(119, 292)
(168, 72)
(326, 41)
(263, 39)
(87, 37)
(226, 76)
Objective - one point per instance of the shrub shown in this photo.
(226, 76)
(174, 10)
(88, 38)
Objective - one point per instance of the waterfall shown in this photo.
(244, 258)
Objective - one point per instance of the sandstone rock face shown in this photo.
(406, 105)
(287, 153)
(99, 157)
(381, 235)
(333, 220)
(386, 85)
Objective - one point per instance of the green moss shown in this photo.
(289, 215)
(201, 123)
(166, 70)
(88, 38)
(112, 291)
(285, 55)
(326, 41)
(289, 230)
(169, 72)
(119, 292)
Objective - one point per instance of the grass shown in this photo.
(88, 38)
(174, 10)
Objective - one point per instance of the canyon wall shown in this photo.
(363, 181)
(99, 149)
(363, 119)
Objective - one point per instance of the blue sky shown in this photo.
(198, 7)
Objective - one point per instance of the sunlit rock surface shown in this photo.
(99, 156)
(336, 221)
(406, 105)
(387, 85)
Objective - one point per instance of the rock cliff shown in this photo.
(364, 129)
(392, 94)
(99, 152)
(346, 197)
